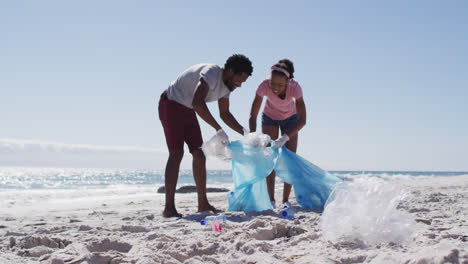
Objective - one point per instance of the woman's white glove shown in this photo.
(281, 141)
(223, 137)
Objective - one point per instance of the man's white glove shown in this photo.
(223, 137)
(281, 141)
(246, 131)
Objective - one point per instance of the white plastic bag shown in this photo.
(215, 148)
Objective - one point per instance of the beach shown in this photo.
(116, 228)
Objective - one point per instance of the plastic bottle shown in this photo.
(221, 218)
(287, 213)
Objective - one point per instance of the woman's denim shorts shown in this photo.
(285, 124)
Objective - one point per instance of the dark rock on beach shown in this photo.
(192, 188)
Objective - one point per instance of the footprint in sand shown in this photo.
(277, 231)
(107, 245)
(134, 229)
(85, 228)
(36, 252)
(152, 236)
(31, 242)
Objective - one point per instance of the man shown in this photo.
(188, 95)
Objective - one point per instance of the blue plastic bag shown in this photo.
(253, 197)
(250, 167)
(312, 185)
(251, 164)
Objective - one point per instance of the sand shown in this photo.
(131, 229)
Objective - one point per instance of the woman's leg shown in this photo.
(272, 131)
(291, 145)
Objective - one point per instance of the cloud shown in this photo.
(26, 153)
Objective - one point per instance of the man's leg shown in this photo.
(171, 177)
(194, 140)
(199, 174)
(170, 114)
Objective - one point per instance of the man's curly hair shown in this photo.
(239, 64)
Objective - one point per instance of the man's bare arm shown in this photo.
(199, 105)
(227, 117)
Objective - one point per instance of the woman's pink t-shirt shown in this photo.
(275, 107)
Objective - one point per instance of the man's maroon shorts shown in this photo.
(180, 125)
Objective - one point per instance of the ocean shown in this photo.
(30, 178)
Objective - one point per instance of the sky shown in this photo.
(384, 82)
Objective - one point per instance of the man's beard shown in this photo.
(230, 85)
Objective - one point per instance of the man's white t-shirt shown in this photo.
(183, 89)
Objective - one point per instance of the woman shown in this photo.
(284, 110)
